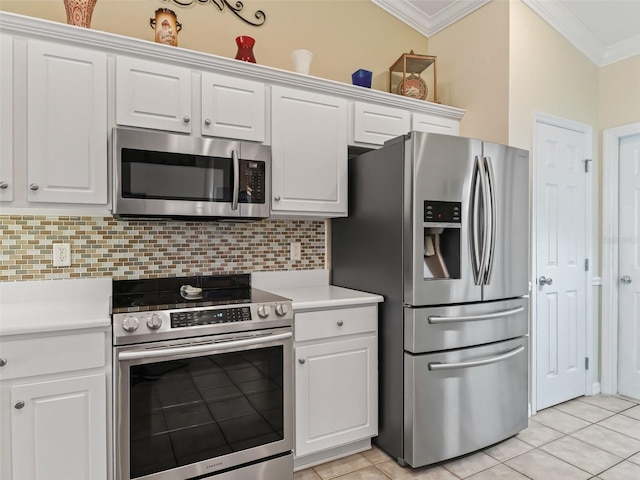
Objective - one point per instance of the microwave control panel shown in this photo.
(252, 181)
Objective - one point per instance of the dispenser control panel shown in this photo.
(442, 212)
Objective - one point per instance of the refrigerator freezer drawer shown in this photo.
(433, 329)
(464, 400)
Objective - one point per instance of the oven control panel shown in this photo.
(194, 318)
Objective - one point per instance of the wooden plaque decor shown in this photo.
(414, 76)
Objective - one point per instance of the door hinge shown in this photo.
(586, 363)
(586, 264)
(586, 165)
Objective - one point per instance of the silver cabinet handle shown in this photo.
(626, 279)
(4, 185)
(476, 363)
(545, 281)
(19, 405)
(186, 119)
(301, 361)
(207, 121)
(3, 362)
(277, 198)
(473, 318)
(340, 323)
(34, 186)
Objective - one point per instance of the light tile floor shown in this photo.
(594, 437)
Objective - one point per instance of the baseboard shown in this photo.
(307, 461)
(595, 388)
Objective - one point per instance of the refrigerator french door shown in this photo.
(439, 226)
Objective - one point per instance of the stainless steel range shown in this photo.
(202, 380)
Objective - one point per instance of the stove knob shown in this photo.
(130, 324)
(154, 322)
(264, 311)
(282, 309)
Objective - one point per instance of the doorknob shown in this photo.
(545, 281)
(626, 279)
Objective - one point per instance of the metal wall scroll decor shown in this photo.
(236, 8)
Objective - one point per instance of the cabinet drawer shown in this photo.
(333, 323)
(41, 356)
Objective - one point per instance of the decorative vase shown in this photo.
(245, 49)
(79, 12)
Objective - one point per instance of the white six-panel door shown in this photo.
(561, 207)
(629, 268)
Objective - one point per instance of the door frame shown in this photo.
(610, 272)
(544, 118)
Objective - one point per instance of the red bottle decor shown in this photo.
(245, 49)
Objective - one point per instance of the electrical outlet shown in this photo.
(61, 255)
(296, 251)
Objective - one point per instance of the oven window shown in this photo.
(173, 176)
(186, 411)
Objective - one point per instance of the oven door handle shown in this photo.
(472, 318)
(214, 347)
(476, 363)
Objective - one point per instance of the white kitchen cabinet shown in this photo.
(53, 409)
(336, 378)
(375, 124)
(422, 122)
(6, 119)
(59, 427)
(66, 124)
(233, 107)
(153, 95)
(309, 153)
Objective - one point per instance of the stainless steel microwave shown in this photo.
(159, 174)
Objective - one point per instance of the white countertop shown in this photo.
(310, 289)
(54, 305)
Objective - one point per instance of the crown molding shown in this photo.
(426, 24)
(565, 23)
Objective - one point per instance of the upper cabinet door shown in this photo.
(375, 124)
(153, 95)
(66, 124)
(6, 119)
(233, 108)
(422, 122)
(309, 154)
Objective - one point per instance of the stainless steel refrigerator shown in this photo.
(439, 225)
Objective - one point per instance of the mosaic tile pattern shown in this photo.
(133, 249)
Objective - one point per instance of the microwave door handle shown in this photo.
(236, 179)
(492, 216)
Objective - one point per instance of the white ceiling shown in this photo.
(603, 30)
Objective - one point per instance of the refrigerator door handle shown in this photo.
(472, 318)
(473, 225)
(492, 214)
(477, 363)
(485, 219)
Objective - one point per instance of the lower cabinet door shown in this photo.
(336, 394)
(59, 430)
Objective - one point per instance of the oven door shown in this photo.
(185, 408)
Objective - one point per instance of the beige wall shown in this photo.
(343, 35)
(473, 70)
(619, 93)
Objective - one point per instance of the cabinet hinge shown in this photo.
(586, 264)
(586, 165)
(586, 363)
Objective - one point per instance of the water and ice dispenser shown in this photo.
(442, 222)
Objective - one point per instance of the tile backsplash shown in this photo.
(132, 249)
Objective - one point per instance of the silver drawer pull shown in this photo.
(19, 405)
(340, 323)
(473, 318)
(476, 363)
(301, 361)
